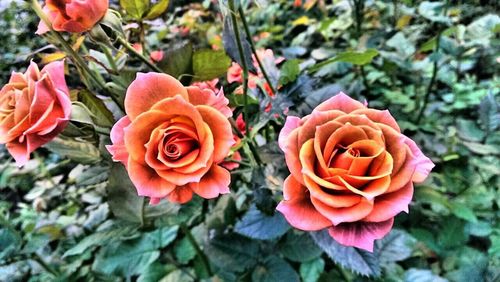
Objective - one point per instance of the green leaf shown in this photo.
(100, 238)
(468, 130)
(100, 113)
(9, 243)
(231, 46)
(482, 149)
(358, 261)
(258, 225)
(184, 251)
(452, 233)
(232, 252)
(132, 257)
(289, 72)
(274, 269)
(239, 100)
(135, 8)
(122, 196)
(396, 246)
(178, 60)
(311, 270)
(80, 151)
(80, 113)
(210, 64)
(462, 211)
(155, 272)
(92, 176)
(177, 276)
(431, 196)
(157, 10)
(353, 57)
(489, 113)
(299, 247)
(422, 275)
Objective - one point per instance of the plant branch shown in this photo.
(434, 70)
(254, 51)
(44, 264)
(199, 252)
(243, 63)
(140, 56)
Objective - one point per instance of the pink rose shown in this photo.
(73, 15)
(35, 106)
(173, 139)
(352, 171)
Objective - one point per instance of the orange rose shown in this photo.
(34, 108)
(73, 15)
(173, 139)
(352, 171)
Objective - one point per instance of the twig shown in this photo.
(129, 47)
(434, 71)
(199, 252)
(254, 51)
(243, 64)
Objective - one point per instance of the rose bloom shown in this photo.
(352, 171)
(73, 15)
(35, 106)
(173, 139)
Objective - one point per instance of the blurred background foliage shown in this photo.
(434, 65)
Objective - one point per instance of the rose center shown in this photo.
(177, 145)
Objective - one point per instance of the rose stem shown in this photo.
(129, 47)
(243, 64)
(434, 70)
(254, 51)
(193, 242)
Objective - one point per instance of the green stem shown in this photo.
(44, 264)
(434, 71)
(140, 56)
(254, 51)
(243, 64)
(199, 252)
(110, 58)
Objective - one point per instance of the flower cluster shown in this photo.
(351, 169)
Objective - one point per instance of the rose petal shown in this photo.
(291, 123)
(118, 150)
(389, 205)
(374, 115)
(334, 200)
(340, 102)
(156, 87)
(19, 152)
(181, 195)
(147, 181)
(207, 97)
(298, 209)
(347, 214)
(215, 182)
(360, 234)
(221, 130)
(423, 164)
